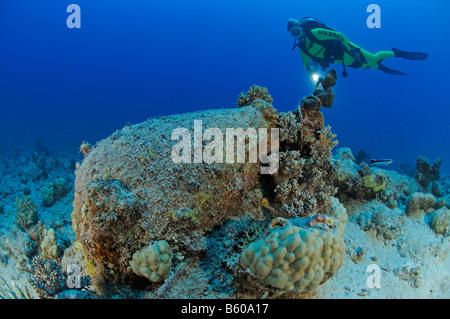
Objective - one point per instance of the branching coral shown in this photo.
(305, 182)
(254, 93)
(48, 278)
(26, 212)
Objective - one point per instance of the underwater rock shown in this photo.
(386, 225)
(409, 274)
(440, 221)
(305, 178)
(425, 172)
(322, 95)
(122, 203)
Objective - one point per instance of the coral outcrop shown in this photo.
(427, 172)
(363, 182)
(419, 204)
(26, 212)
(153, 262)
(54, 191)
(305, 179)
(254, 93)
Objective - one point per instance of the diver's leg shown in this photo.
(374, 61)
(383, 55)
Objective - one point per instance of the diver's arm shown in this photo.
(325, 34)
(305, 59)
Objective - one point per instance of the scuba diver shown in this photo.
(324, 45)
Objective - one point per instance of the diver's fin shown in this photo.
(384, 68)
(410, 55)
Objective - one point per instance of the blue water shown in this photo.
(137, 59)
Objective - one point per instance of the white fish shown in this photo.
(376, 162)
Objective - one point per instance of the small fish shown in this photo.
(375, 162)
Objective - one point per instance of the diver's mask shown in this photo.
(294, 28)
(296, 32)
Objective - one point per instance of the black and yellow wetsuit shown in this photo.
(324, 45)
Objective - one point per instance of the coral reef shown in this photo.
(153, 262)
(26, 212)
(121, 201)
(305, 179)
(363, 182)
(426, 172)
(54, 191)
(254, 93)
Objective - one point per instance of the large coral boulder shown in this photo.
(129, 192)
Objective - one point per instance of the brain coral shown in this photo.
(153, 262)
(296, 258)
